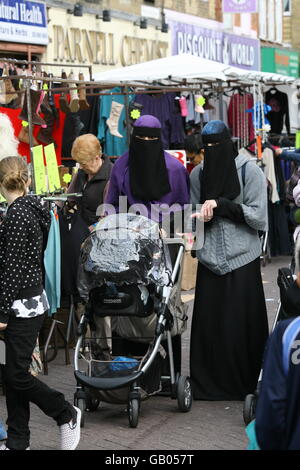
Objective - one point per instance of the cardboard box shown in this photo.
(189, 274)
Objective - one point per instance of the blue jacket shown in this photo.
(278, 408)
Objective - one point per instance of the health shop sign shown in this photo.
(215, 45)
(239, 6)
(23, 21)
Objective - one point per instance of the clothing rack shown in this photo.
(171, 85)
(48, 64)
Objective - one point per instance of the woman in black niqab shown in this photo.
(220, 177)
(148, 174)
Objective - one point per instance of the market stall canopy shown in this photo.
(186, 67)
(177, 67)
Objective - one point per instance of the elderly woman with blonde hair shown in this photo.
(92, 176)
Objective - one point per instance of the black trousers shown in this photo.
(22, 388)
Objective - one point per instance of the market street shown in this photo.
(209, 425)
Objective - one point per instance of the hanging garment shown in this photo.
(279, 238)
(192, 114)
(287, 168)
(269, 171)
(240, 122)
(82, 122)
(17, 124)
(257, 117)
(112, 144)
(213, 111)
(52, 263)
(164, 108)
(281, 185)
(73, 232)
(280, 110)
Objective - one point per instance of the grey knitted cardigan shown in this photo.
(229, 245)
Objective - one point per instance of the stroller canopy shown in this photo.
(124, 249)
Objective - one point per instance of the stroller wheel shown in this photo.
(184, 393)
(92, 403)
(249, 408)
(82, 406)
(133, 412)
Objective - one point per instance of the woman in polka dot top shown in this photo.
(23, 303)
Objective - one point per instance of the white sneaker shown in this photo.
(70, 432)
(3, 447)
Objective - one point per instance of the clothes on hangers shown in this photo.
(113, 145)
(279, 115)
(163, 107)
(73, 232)
(279, 237)
(52, 263)
(212, 113)
(82, 122)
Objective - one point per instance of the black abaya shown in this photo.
(229, 332)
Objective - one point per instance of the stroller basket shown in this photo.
(106, 383)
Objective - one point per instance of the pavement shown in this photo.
(208, 426)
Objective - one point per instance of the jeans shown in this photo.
(22, 388)
(291, 155)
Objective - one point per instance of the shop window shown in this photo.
(270, 20)
(263, 19)
(278, 19)
(287, 7)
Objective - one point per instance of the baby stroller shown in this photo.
(126, 275)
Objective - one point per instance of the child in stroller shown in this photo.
(126, 274)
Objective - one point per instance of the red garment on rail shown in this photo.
(240, 122)
(57, 133)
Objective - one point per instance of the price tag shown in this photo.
(39, 170)
(52, 168)
(179, 154)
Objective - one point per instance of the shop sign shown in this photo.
(280, 61)
(98, 47)
(239, 6)
(229, 49)
(287, 62)
(23, 21)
